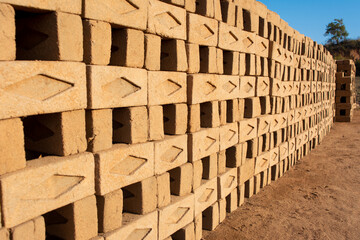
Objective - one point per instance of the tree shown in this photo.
(337, 31)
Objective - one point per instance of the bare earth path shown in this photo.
(318, 199)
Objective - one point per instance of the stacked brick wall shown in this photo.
(345, 94)
(148, 119)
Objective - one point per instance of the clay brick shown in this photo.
(228, 12)
(229, 87)
(185, 233)
(262, 86)
(230, 38)
(173, 55)
(241, 110)
(205, 195)
(68, 6)
(59, 37)
(242, 62)
(7, 29)
(166, 20)
(219, 61)
(227, 182)
(231, 63)
(130, 125)
(250, 61)
(197, 174)
(39, 87)
(202, 30)
(202, 88)
(32, 230)
(181, 179)
(81, 220)
(284, 150)
(274, 156)
(246, 171)
(175, 216)
(109, 210)
(257, 182)
(156, 123)
(135, 227)
(210, 217)
(123, 165)
(163, 190)
(97, 42)
(152, 52)
(12, 154)
(232, 201)
(175, 119)
(127, 48)
(247, 87)
(194, 118)
(99, 129)
(111, 87)
(249, 188)
(248, 129)
(222, 210)
(221, 162)
(75, 174)
(252, 107)
(236, 155)
(262, 162)
(205, 7)
(198, 227)
(190, 5)
(210, 165)
(121, 13)
(193, 57)
(208, 59)
(241, 194)
(223, 112)
(264, 124)
(140, 197)
(209, 114)
(229, 135)
(203, 143)
(262, 47)
(59, 134)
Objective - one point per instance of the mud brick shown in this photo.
(7, 29)
(229, 87)
(135, 226)
(220, 61)
(32, 230)
(185, 233)
(152, 52)
(140, 197)
(181, 179)
(128, 48)
(275, 87)
(166, 20)
(198, 227)
(208, 59)
(257, 182)
(276, 52)
(205, 195)
(247, 87)
(175, 216)
(264, 180)
(246, 171)
(175, 119)
(194, 118)
(75, 174)
(264, 143)
(249, 187)
(252, 107)
(41, 87)
(193, 57)
(202, 30)
(242, 62)
(12, 154)
(250, 61)
(156, 124)
(173, 55)
(262, 162)
(198, 174)
(241, 194)
(112, 87)
(247, 129)
(61, 6)
(265, 105)
(241, 109)
(264, 124)
(123, 165)
(59, 37)
(223, 105)
(57, 134)
(252, 148)
(210, 217)
(170, 153)
(209, 114)
(222, 210)
(229, 135)
(97, 42)
(210, 166)
(281, 168)
(262, 47)
(264, 67)
(258, 68)
(236, 155)
(221, 162)
(227, 182)
(163, 190)
(262, 86)
(232, 201)
(230, 38)
(120, 13)
(109, 210)
(228, 12)
(248, 42)
(231, 63)
(232, 110)
(251, 21)
(80, 220)
(203, 143)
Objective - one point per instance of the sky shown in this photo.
(310, 17)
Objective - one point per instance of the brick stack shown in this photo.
(345, 90)
(150, 119)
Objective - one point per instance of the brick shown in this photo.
(241, 194)
(190, 5)
(202, 30)
(185, 233)
(193, 57)
(246, 171)
(219, 61)
(208, 59)
(128, 48)
(222, 210)
(265, 105)
(252, 107)
(247, 87)
(99, 129)
(248, 129)
(242, 62)
(141, 197)
(123, 165)
(228, 12)
(97, 42)
(205, 195)
(120, 13)
(250, 61)
(181, 179)
(81, 220)
(166, 20)
(12, 156)
(193, 118)
(166, 87)
(197, 174)
(230, 38)
(210, 217)
(205, 8)
(69, 6)
(170, 153)
(75, 174)
(241, 110)
(7, 29)
(32, 230)
(257, 182)
(262, 162)
(262, 47)
(57, 134)
(173, 55)
(236, 155)
(136, 226)
(227, 182)
(232, 201)
(249, 188)
(223, 112)
(264, 124)
(198, 227)
(130, 125)
(229, 87)
(112, 86)
(109, 210)
(284, 150)
(152, 52)
(274, 156)
(40, 87)
(262, 86)
(232, 111)
(163, 190)
(175, 216)
(203, 143)
(202, 88)
(59, 34)
(210, 166)
(229, 135)
(156, 123)
(221, 162)
(231, 63)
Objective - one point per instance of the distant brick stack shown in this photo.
(148, 119)
(345, 96)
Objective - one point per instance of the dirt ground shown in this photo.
(318, 199)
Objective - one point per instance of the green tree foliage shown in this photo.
(337, 31)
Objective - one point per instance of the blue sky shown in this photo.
(310, 17)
